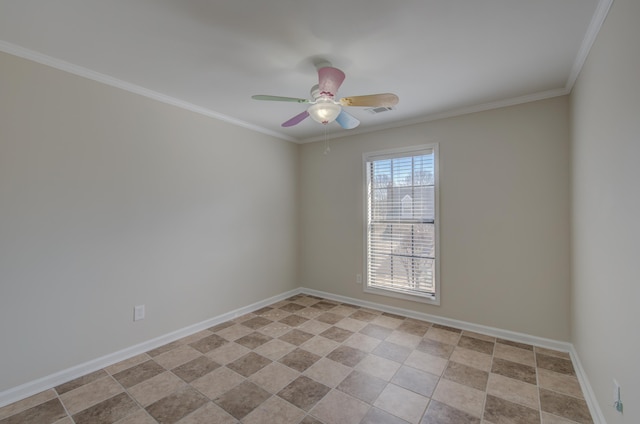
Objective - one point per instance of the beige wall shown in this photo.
(606, 212)
(109, 200)
(504, 207)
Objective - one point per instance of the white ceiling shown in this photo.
(441, 57)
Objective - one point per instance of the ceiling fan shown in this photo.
(323, 106)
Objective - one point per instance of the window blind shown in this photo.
(401, 222)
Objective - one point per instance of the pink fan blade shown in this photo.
(329, 80)
(296, 119)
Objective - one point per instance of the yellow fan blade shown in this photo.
(383, 99)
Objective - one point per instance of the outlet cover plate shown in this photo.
(138, 312)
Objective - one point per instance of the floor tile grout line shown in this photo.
(440, 377)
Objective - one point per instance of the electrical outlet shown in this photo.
(358, 278)
(138, 312)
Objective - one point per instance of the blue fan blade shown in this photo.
(347, 121)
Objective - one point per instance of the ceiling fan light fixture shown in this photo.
(324, 111)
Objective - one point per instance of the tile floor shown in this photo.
(310, 360)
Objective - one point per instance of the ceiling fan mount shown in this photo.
(323, 106)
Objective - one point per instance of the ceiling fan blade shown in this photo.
(383, 99)
(279, 98)
(329, 80)
(296, 119)
(347, 121)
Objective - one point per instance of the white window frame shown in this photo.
(395, 153)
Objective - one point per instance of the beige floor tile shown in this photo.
(227, 353)
(274, 410)
(335, 363)
(351, 324)
(460, 397)
(498, 410)
(471, 358)
(415, 380)
(478, 336)
(440, 413)
(177, 405)
(24, 404)
(245, 317)
(344, 310)
(515, 370)
(362, 386)
(513, 390)
(320, 345)
(378, 367)
(139, 373)
(156, 388)
(314, 327)
(442, 336)
(217, 382)
(552, 352)
(242, 399)
(477, 345)
(274, 349)
(80, 381)
(464, 374)
(195, 337)
(425, 362)
(565, 406)
(139, 417)
(310, 313)
(177, 356)
(90, 394)
(362, 342)
(275, 329)
(514, 354)
(339, 408)
(274, 377)
(304, 392)
(46, 412)
(328, 372)
(402, 403)
(404, 339)
(388, 322)
(234, 332)
(554, 419)
(111, 410)
(209, 413)
(561, 383)
(553, 363)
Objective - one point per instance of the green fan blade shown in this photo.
(279, 99)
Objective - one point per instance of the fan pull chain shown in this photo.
(326, 142)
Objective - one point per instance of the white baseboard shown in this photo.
(477, 328)
(594, 408)
(587, 390)
(33, 387)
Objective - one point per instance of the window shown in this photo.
(401, 223)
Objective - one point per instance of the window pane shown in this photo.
(401, 248)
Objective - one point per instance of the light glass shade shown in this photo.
(324, 111)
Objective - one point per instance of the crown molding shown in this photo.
(587, 42)
(62, 65)
(448, 114)
(593, 29)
